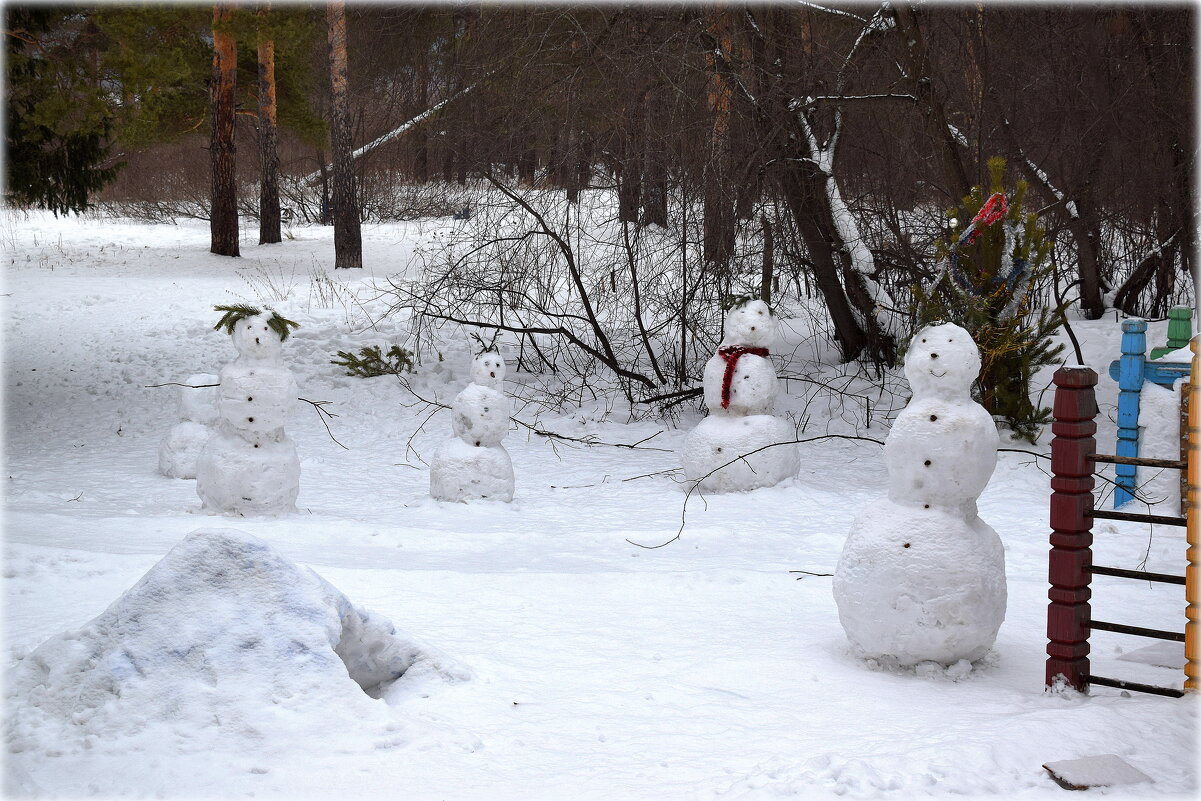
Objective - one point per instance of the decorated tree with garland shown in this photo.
(994, 258)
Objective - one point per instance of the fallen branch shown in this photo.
(696, 484)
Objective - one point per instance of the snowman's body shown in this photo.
(473, 464)
(921, 577)
(250, 466)
(740, 391)
(180, 448)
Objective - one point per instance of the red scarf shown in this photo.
(732, 354)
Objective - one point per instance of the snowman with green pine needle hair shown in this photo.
(249, 465)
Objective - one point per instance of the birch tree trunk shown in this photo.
(268, 157)
(348, 239)
(223, 213)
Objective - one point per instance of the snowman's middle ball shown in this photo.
(480, 416)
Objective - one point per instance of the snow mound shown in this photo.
(222, 639)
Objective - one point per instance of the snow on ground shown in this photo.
(598, 669)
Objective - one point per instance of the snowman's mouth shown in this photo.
(938, 375)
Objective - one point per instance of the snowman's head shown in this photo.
(488, 369)
(942, 360)
(751, 325)
(255, 338)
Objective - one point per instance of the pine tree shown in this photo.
(994, 257)
(57, 124)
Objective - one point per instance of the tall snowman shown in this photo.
(473, 464)
(180, 448)
(249, 466)
(740, 391)
(921, 578)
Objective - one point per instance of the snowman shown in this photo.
(249, 465)
(921, 578)
(180, 448)
(473, 464)
(740, 390)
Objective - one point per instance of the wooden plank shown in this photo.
(1137, 631)
(1170, 692)
(1141, 461)
(1132, 517)
(1130, 384)
(1166, 578)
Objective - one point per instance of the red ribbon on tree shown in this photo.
(993, 210)
(732, 354)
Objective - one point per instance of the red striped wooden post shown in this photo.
(1071, 557)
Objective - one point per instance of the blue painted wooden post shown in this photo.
(1130, 382)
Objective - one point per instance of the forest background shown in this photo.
(631, 168)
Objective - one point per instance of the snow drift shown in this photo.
(223, 636)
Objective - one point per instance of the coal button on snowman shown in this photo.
(250, 466)
(921, 577)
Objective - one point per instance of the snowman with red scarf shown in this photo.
(729, 451)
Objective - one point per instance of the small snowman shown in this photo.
(473, 464)
(249, 465)
(740, 390)
(921, 578)
(180, 448)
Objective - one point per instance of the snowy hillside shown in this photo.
(562, 660)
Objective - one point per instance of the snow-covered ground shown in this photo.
(597, 669)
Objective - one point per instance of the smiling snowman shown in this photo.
(473, 464)
(728, 451)
(249, 465)
(921, 578)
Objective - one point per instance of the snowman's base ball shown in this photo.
(718, 440)
(234, 476)
(463, 472)
(920, 585)
(180, 450)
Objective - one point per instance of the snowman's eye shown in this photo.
(923, 341)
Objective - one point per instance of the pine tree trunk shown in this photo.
(348, 240)
(269, 222)
(223, 213)
(946, 149)
(654, 169)
(421, 159)
(718, 244)
(629, 178)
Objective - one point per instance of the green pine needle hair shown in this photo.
(240, 311)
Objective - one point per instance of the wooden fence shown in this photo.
(1073, 465)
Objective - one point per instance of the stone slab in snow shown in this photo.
(1106, 770)
(1159, 654)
